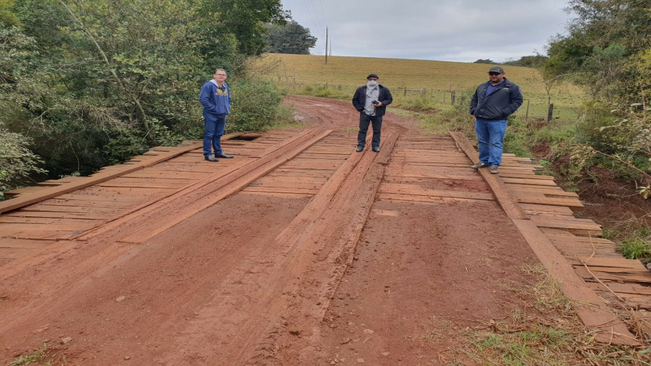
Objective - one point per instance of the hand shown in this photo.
(378, 104)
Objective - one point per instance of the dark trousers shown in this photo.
(214, 129)
(364, 121)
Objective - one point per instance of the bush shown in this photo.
(255, 106)
(17, 162)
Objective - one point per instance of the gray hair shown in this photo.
(221, 70)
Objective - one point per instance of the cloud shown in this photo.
(464, 30)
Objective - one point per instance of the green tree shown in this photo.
(245, 20)
(7, 16)
(289, 38)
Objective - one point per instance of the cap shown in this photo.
(497, 69)
(373, 76)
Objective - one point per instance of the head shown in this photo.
(220, 75)
(371, 80)
(496, 75)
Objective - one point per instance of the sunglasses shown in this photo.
(493, 73)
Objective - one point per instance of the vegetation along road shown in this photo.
(301, 251)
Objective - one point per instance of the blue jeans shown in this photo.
(214, 129)
(490, 136)
(364, 121)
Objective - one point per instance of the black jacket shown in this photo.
(499, 104)
(359, 99)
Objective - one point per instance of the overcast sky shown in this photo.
(452, 30)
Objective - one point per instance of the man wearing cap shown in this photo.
(371, 100)
(491, 105)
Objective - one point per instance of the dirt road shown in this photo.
(342, 262)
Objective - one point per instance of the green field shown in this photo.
(432, 80)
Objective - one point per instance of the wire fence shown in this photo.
(537, 108)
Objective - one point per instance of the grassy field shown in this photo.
(343, 74)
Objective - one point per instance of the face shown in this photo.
(495, 77)
(219, 76)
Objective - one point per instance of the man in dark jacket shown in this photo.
(491, 105)
(215, 98)
(371, 100)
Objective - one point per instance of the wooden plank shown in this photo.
(409, 189)
(572, 203)
(23, 244)
(421, 199)
(529, 181)
(591, 308)
(506, 200)
(573, 225)
(533, 209)
(613, 275)
(547, 191)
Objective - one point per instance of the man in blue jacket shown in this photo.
(215, 99)
(491, 105)
(371, 101)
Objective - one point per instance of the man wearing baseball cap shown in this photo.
(371, 101)
(491, 105)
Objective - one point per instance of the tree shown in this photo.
(289, 38)
(245, 20)
(536, 61)
(603, 34)
(485, 61)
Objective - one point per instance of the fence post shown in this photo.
(550, 112)
(454, 96)
(526, 116)
(405, 91)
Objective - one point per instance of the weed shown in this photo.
(545, 331)
(39, 356)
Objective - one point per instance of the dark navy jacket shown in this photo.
(215, 100)
(359, 99)
(499, 104)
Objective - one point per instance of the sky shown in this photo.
(452, 30)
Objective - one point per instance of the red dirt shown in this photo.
(218, 289)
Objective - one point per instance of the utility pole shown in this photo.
(326, 48)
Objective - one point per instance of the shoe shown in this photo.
(376, 149)
(359, 148)
(224, 156)
(210, 158)
(494, 169)
(481, 164)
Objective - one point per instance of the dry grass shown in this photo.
(344, 74)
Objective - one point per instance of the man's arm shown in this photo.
(205, 98)
(516, 100)
(473, 103)
(388, 99)
(357, 103)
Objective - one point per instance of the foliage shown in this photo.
(289, 38)
(602, 37)
(254, 107)
(544, 330)
(637, 245)
(7, 16)
(245, 20)
(93, 82)
(17, 162)
(485, 61)
(536, 61)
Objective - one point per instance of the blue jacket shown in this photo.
(215, 100)
(499, 104)
(359, 99)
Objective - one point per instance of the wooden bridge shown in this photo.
(119, 201)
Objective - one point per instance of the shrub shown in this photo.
(17, 162)
(255, 105)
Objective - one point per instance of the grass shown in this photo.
(428, 83)
(43, 357)
(545, 331)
